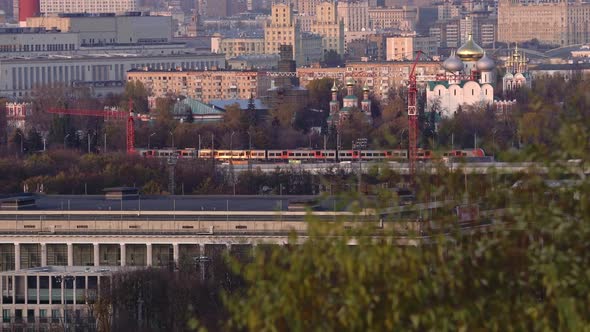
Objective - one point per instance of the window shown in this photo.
(6, 315)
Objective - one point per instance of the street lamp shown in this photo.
(21, 141)
(65, 138)
(172, 136)
(231, 141)
(200, 263)
(149, 139)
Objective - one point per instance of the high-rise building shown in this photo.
(403, 18)
(555, 22)
(49, 7)
(307, 7)
(329, 26)
(281, 29)
(354, 14)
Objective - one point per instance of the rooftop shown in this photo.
(161, 203)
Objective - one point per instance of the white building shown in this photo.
(95, 30)
(468, 80)
(87, 6)
(46, 298)
(18, 76)
(27, 41)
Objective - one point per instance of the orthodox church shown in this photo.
(468, 79)
(340, 114)
(517, 74)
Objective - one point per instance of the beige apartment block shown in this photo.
(557, 23)
(203, 85)
(329, 26)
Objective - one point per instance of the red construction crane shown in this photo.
(412, 118)
(107, 114)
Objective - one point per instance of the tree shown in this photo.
(332, 59)
(34, 140)
(510, 277)
(319, 93)
(135, 92)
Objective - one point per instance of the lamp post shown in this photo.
(231, 141)
(65, 138)
(21, 141)
(149, 139)
(172, 136)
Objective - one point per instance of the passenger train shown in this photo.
(307, 155)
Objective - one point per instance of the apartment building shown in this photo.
(380, 77)
(329, 27)
(238, 46)
(202, 85)
(49, 7)
(21, 75)
(403, 18)
(558, 22)
(354, 14)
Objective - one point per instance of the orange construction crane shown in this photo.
(107, 114)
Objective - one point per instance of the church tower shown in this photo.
(366, 102)
(334, 106)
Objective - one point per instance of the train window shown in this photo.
(296, 155)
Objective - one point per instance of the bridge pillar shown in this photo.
(16, 257)
(123, 254)
(43, 254)
(96, 254)
(175, 253)
(70, 254)
(148, 254)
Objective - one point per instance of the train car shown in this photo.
(277, 155)
(422, 154)
(465, 153)
(257, 155)
(188, 153)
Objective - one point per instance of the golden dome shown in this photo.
(470, 51)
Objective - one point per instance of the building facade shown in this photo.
(233, 47)
(17, 114)
(329, 26)
(52, 297)
(36, 41)
(380, 77)
(202, 85)
(403, 18)
(96, 30)
(558, 22)
(49, 7)
(354, 14)
(402, 47)
(282, 29)
(19, 76)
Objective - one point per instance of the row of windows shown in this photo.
(37, 47)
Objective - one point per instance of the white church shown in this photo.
(468, 80)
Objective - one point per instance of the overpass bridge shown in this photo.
(403, 168)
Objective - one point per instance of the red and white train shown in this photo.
(302, 154)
